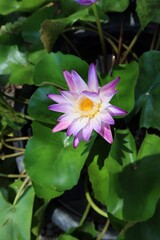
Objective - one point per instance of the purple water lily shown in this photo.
(86, 107)
(86, 2)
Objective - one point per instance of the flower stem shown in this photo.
(126, 227)
(120, 41)
(25, 116)
(101, 36)
(153, 43)
(71, 44)
(12, 147)
(158, 40)
(104, 230)
(84, 215)
(12, 175)
(20, 191)
(93, 205)
(17, 139)
(131, 46)
(3, 157)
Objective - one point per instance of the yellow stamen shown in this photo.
(87, 107)
(86, 104)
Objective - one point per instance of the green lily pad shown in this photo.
(134, 185)
(128, 73)
(114, 5)
(17, 65)
(145, 230)
(38, 105)
(11, 225)
(148, 89)
(148, 11)
(6, 6)
(51, 161)
(51, 67)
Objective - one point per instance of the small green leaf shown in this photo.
(51, 161)
(148, 11)
(135, 184)
(122, 153)
(10, 32)
(97, 170)
(19, 66)
(128, 74)
(11, 225)
(38, 105)
(70, 7)
(114, 5)
(7, 6)
(86, 231)
(146, 230)
(51, 67)
(31, 28)
(67, 237)
(50, 31)
(14, 63)
(13, 118)
(148, 89)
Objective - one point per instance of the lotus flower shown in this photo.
(86, 2)
(86, 107)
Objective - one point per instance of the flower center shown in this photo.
(87, 107)
(86, 104)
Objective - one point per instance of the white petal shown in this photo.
(79, 82)
(92, 78)
(107, 97)
(77, 125)
(96, 123)
(92, 95)
(116, 111)
(69, 81)
(70, 96)
(61, 126)
(109, 87)
(86, 131)
(62, 107)
(106, 133)
(77, 139)
(57, 98)
(107, 118)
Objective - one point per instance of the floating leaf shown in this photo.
(97, 170)
(114, 5)
(146, 230)
(148, 11)
(86, 230)
(7, 6)
(67, 237)
(39, 101)
(50, 31)
(51, 161)
(13, 118)
(31, 28)
(19, 66)
(148, 89)
(128, 74)
(51, 67)
(135, 183)
(11, 225)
